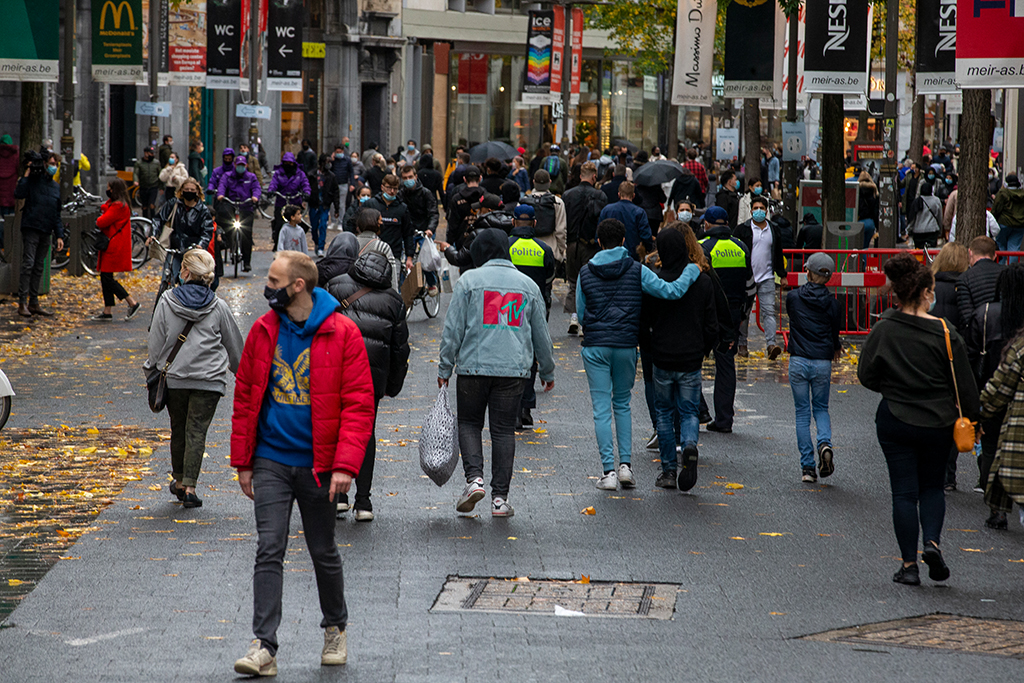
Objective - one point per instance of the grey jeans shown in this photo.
(35, 248)
(766, 293)
(276, 487)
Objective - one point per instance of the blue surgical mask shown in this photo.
(686, 216)
(931, 306)
(411, 148)
(390, 197)
(758, 190)
(363, 200)
(52, 170)
(758, 215)
(949, 181)
(181, 278)
(409, 182)
(240, 170)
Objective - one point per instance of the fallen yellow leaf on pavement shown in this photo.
(588, 511)
(92, 430)
(737, 538)
(773, 533)
(14, 582)
(584, 578)
(732, 485)
(154, 487)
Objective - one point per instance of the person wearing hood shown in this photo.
(288, 182)
(925, 226)
(303, 413)
(431, 178)
(324, 193)
(341, 254)
(609, 295)
(243, 188)
(410, 155)
(1008, 210)
(197, 377)
(8, 174)
(755, 189)
(368, 299)
(307, 158)
(494, 328)
(369, 223)
(676, 335)
(814, 322)
(226, 166)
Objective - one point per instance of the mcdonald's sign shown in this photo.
(117, 41)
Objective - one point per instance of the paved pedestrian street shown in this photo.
(751, 576)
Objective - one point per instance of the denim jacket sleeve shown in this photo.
(655, 286)
(454, 331)
(542, 348)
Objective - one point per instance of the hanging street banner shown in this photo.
(537, 81)
(557, 54)
(223, 38)
(244, 51)
(162, 77)
(990, 43)
(694, 53)
(781, 99)
(794, 141)
(284, 45)
(117, 41)
(727, 143)
(936, 47)
(749, 48)
(576, 59)
(836, 53)
(30, 47)
(187, 44)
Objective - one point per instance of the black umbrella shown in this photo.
(657, 172)
(492, 148)
(630, 147)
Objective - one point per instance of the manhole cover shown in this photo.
(563, 598)
(937, 632)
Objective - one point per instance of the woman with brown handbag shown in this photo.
(115, 224)
(920, 366)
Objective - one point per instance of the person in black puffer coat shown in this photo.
(380, 315)
(341, 254)
(978, 285)
(948, 266)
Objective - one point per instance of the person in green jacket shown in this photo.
(147, 177)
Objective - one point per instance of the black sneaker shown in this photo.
(809, 475)
(997, 520)
(704, 418)
(132, 311)
(908, 576)
(652, 443)
(666, 480)
(102, 316)
(247, 268)
(688, 471)
(825, 465)
(526, 419)
(714, 427)
(937, 569)
(191, 500)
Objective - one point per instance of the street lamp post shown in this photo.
(887, 214)
(254, 27)
(67, 140)
(790, 170)
(154, 65)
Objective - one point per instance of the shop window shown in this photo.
(293, 108)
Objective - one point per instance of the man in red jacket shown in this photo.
(303, 414)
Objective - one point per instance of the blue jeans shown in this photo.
(1009, 239)
(610, 374)
(869, 231)
(810, 381)
(677, 397)
(318, 221)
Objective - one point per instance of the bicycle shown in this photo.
(235, 234)
(79, 199)
(167, 276)
(290, 199)
(431, 304)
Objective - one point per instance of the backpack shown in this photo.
(553, 165)
(544, 212)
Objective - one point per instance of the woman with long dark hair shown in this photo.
(907, 360)
(994, 327)
(115, 222)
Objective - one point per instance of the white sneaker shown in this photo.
(364, 515)
(335, 650)
(320, 252)
(471, 495)
(501, 508)
(257, 661)
(626, 476)
(574, 324)
(608, 482)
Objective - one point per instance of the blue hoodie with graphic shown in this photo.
(286, 418)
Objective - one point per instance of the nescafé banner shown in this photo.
(30, 44)
(836, 47)
(990, 43)
(539, 33)
(936, 47)
(695, 52)
(117, 41)
(750, 38)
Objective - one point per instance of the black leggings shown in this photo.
(111, 288)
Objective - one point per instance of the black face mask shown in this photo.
(289, 169)
(279, 299)
(110, 195)
(190, 196)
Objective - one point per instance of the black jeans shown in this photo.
(530, 389)
(275, 226)
(147, 197)
(365, 479)
(276, 487)
(725, 378)
(35, 247)
(190, 411)
(916, 457)
(111, 288)
(500, 398)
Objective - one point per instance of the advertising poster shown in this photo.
(576, 63)
(695, 51)
(727, 143)
(117, 41)
(936, 47)
(836, 49)
(537, 83)
(186, 51)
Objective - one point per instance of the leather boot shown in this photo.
(36, 310)
(23, 310)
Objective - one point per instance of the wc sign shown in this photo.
(284, 45)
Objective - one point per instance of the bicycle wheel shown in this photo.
(432, 304)
(409, 308)
(165, 284)
(88, 254)
(266, 208)
(5, 410)
(141, 229)
(60, 259)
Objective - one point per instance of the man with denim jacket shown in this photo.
(494, 328)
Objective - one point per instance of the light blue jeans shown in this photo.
(1009, 239)
(677, 397)
(610, 374)
(810, 381)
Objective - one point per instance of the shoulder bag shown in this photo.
(963, 429)
(352, 298)
(100, 241)
(156, 378)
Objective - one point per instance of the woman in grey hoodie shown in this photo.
(198, 376)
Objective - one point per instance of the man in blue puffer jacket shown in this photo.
(608, 298)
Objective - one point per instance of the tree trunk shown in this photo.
(975, 141)
(33, 110)
(751, 140)
(916, 146)
(833, 171)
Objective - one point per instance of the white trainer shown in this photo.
(335, 650)
(501, 508)
(626, 476)
(257, 661)
(471, 495)
(608, 482)
(364, 515)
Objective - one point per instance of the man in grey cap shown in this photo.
(814, 321)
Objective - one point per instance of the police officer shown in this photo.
(536, 260)
(730, 259)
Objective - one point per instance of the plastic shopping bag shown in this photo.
(430, 257)
(439, 441)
